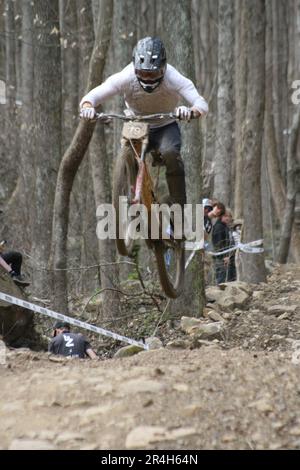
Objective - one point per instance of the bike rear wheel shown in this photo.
(171, 266)
(124, 180)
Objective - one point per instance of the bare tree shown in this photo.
(205, 38)
(70, 68)
(11, 141)
(27, 131)
(253, 264)
(47, 128)
(289, 211)
(177, 31)
(123, 41)
(240, 102)
(224, 136)
(72, 160)
(277, 186)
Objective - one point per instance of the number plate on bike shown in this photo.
(135, 130)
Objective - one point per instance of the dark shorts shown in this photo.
(166, 139)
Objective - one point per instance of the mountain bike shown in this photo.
(132, 181)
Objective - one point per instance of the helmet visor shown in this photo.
(149, 76)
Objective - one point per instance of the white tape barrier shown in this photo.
(59, 316)
(251, 247)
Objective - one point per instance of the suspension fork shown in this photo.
(141, 172)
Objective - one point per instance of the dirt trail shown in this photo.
(242, 392)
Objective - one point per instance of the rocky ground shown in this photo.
(227, 381)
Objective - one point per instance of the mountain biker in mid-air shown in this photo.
(150, 85)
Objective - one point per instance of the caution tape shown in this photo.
(59, 316)
(251, 247)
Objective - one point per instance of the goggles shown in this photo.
(149, 76)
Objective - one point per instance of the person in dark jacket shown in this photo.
(221, 240)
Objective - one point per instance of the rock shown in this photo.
(187, 324)
(262, 405)
(229, 437)
(257, 295)
(284, 316)
(178, 343)
(154, 343)
(278, 425)
(227, 316)
(16, 322)
(239, 285)
(233, 297)
(192, 410)
(143, 436)
(142, 310)
(295, 431)
(47, 435)
(277, 309)
(277, 338)
(213, 293)
(91, 446)
(179, 387)
(229, 295)
(275, 445)
(128, 351)
(194, 326)
(54, 358)
(206, 312)
(181, 432)
(237, 312)
(68, 436)
(141, 386)
(94, 414)
(13, 406)
(215, 316)
(28, 444)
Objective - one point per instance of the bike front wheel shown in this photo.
(124, 181)
(171, 266)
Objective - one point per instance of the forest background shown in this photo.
(243, 57)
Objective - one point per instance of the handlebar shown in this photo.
(139, 118)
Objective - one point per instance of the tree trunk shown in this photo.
(147, 17)
(124, 40)
(47, 130)
(191, 302)
(205, 35)
(279, 85)
(11, 77)
(27, 128)
(109, 275)
(253, 264)
(83, 187)
(241, 103)
(224, 136)
(11, 95)
(289, 212)
(72, 160)
(273, 166)
(70, 69)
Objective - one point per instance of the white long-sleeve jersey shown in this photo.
(163, 99)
